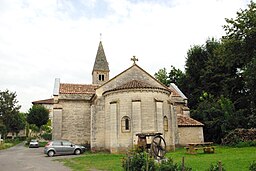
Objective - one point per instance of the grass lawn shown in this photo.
(233, 159)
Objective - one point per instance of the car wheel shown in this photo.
(77, 151)
(50, 153)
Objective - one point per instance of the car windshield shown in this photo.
(33, 140)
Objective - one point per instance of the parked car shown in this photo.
(62, 147)
(33, 143)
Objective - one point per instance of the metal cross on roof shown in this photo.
(134, 59)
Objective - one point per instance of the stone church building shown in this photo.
(108, 113)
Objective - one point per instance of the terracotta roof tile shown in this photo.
(77, 88)
(135, 84)
(46, 101)
(187, 121)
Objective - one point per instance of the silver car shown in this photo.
(62, 147)
(33, 143)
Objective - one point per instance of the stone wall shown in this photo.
(98, 125)
(190, 135)
(145, 108)
(76, 121)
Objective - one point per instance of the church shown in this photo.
(108, 113)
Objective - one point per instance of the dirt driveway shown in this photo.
(20, 158)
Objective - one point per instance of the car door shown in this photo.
(67, 147)
(57, 145)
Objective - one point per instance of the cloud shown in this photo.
(42, 40)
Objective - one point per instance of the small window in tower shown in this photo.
(125, 124)
(102, 77)
(165, 124)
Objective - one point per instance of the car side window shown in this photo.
(57, 143)
(66, 143)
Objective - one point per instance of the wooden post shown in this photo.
(220, 166)
(183, 164)
(146, 161)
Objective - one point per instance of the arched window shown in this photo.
(165, 123)
(125, 124)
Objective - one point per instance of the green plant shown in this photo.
(252, 166)
(137, 161)
(169, 165)
(47, 136)
(216, 167)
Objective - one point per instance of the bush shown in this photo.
(215, 167)
(47, 136)
(140, 161)
(169, 165)
(252, 166)
(245, 144)
(137, 161)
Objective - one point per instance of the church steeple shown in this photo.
(100, 72)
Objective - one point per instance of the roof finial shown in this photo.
(100, 36)
(134, 59)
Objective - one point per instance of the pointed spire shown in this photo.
(101, 63)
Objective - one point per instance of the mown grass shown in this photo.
(95, 161)
(233, 159)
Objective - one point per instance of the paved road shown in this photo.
(20, 158)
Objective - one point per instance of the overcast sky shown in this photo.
(41, 40)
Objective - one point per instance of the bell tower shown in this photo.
(100, 72)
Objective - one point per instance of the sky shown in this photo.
(41, 40)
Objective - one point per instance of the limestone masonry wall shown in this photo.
(76, 121)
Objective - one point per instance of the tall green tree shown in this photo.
(162, 76)
(175, 76)
(240, 56)
(204, 71)
(38, 115)
(9, 111)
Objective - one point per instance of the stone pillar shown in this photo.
(136, 120)
(57, 124)
(113, 128)
(173, 126)
(159, 117)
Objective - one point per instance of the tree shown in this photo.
(176, 76)
(240, 57)
(38, 115)
(162, 76)
(217, 114)
(9, 111)
(204, 71)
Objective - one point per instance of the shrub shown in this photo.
(215, 167)
(137, 161)
(47, 136)
(140, 161)
(169, 165)
(252, 166)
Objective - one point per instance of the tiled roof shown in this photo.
(187, 121)
(46, 101)
(77, 88)
(135, 84)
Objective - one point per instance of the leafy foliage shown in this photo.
(12, 120)
(162, 76)
(252, 166)
(140, 161)
(216, 167)
(225, 71)
(38, 115)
